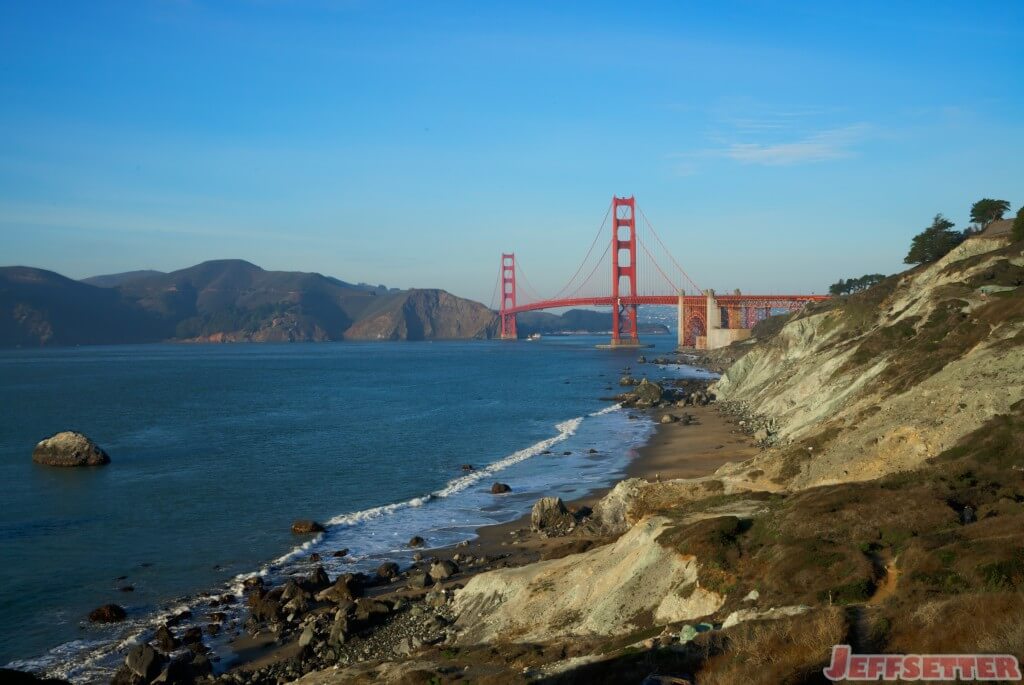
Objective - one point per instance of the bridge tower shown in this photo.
(624, 331)
(508, 297)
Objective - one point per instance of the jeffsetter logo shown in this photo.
(848, 666)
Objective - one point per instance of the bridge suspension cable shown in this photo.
(685, 277)
(579, 269)
(531, 292)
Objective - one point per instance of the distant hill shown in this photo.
(223, 300)
(40, 307)
(113, 280)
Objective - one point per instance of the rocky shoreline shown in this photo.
(314, 622)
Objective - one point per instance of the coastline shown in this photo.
(693, 448)
(674, 450)
(268, 647)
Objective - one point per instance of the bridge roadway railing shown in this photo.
(760, 301)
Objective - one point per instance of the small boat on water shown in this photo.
(534, 336)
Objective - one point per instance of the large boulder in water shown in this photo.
(306, 527)
(69, 448)
(108, 613)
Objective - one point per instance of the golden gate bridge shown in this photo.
(643, 272)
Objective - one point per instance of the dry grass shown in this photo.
(790, 650)
(989, 623)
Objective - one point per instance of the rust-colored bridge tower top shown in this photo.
(624, 267)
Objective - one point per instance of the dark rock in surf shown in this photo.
(388, 570)
(69, 448)
(500, 488)
(144, 661)
(164, 640)
(341, 553)
(467, 467)
(108, 613)
(316, 581)
(306, 527)
(14, 677)
(416, 541)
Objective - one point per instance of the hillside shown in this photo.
(881, 381)
(223, 300)
(40, 307)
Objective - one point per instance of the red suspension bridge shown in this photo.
(643, 272)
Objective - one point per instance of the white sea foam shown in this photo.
(92, 661)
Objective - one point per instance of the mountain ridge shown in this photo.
(224, 300)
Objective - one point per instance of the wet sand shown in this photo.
(675, 450)
(691, 451)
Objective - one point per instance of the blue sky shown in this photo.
(775, 146)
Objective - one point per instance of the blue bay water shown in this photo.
(217, 449)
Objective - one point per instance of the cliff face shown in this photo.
(223, 301)
(880, 381)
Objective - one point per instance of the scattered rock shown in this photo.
(341, 553)
(144, 661)
(419, 580)
(69, 448)
(499, 488)
(165, 640)
(416, 541)
(346, 588)
(442, 570)
(108, 613)
(367, 608)
(467, 467)
(306, 527)
(316, 581)
(388, 570)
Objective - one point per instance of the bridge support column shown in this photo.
(508, 297)
(681, 322)
(624, 267)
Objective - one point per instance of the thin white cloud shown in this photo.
(837, 143)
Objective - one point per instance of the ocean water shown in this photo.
(217, 449)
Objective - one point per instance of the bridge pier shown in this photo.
(716, 335)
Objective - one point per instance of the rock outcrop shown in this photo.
(69, 448)
(550, 515)
(608, 590)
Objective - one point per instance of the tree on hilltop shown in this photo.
(1018, 225)
(855, 285)
(933, 242)
(987, 210)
